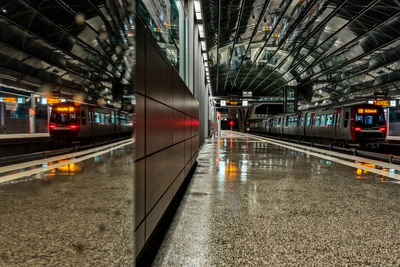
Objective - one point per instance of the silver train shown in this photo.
(69, 121)
(361, 124)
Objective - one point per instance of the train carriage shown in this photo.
(72, 121)
(359, 124)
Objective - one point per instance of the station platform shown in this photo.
(12, 139)
(253, 201)
(71, 210)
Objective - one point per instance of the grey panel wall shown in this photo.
(167, 117)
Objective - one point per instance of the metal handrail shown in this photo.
(356, 152)
(51, 153)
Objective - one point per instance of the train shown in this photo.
(70, 121)
(357, 124)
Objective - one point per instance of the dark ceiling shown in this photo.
(72, 46)
(331, 51)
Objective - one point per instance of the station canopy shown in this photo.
(331, 51)
(80, 47)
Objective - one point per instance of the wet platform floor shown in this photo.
(251, 203)
(79, 214)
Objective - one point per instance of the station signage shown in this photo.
(382, 102)
(233, 103)
(8, 99)
(11, 106)
(53, 101)
(247, 94)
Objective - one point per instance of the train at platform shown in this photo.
(71, 121)
(359, 124)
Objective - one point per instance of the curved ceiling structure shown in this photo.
(79, 46)
(331, 50)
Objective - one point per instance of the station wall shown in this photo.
(167, 140)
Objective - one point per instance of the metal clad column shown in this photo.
(182, 60)
(2, 117)
(32, 115)
(191, 32)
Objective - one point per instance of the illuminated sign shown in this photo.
(9, 99)
(382, 102)
(53, 100)
(65, 109)
(245, 103)
(247, 94)
(234, 103)
(223, 103)
(367, 111)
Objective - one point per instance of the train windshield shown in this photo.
(64, 115)
(369, 117)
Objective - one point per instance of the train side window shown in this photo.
(97, 118)
(83, 117)
(317, 121)
(329, 120)
(346, 119)
(106, 119)
(308, 120)
(323, 120)
(302, 122)
(338, 120)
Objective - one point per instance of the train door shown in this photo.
(336, 123)
(307, 128)
(113, 122)
(346, 124)
(302, 128)
(90, 120)
(83, 122)
(312, 125)
(298, 125)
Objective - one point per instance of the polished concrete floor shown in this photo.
(251, 203)
(80, 214)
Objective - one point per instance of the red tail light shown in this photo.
(73, 126)
(382, 129)
(357, 129)
(52, 126)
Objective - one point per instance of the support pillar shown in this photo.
(32, 116)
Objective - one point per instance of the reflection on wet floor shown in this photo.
(257, 204)
(69, 169)
(78, 214)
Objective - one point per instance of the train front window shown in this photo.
(372, 119)
(64, 117)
